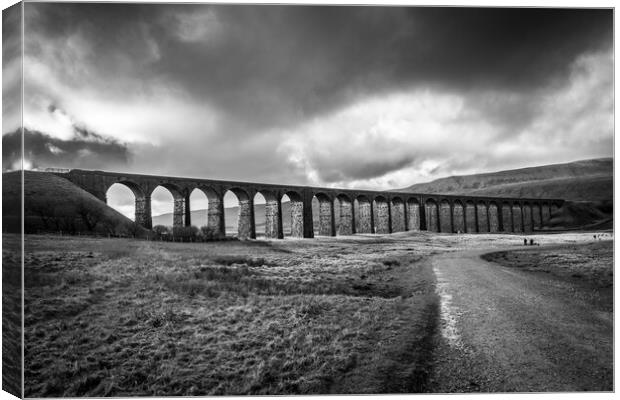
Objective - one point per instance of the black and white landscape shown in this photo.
(303, 199)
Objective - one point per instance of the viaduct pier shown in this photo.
(341, 211)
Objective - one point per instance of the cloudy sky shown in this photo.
(366, 97)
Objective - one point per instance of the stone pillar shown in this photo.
(308, 223)
(273, 219)
(345, 227)
(483, 218)
(326, 218)
(445, 217)
(143, 212)
(246, 228)
(215, 216)
(364, 219)
(188, 212)
(297, 217)
(398, 216)
(536, 216)
(546, 214)
(178, 216)
(458, 217)
(493, 218)
(381, 216)
(527, 218)
(470, 218)
(413, 215)
(517, 218)
(432, 217)
(507, 217)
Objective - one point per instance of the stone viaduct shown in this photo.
(359, 211)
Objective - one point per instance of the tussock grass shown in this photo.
(120, 318)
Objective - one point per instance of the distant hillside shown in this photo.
(54, 204)
(587, 180)
(586, 185)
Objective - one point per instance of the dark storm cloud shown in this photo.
(272, 65)
(45, 151)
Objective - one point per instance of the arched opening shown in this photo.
(239, 214)
(470, 217)
(381, 211)
(413, 214)
(445, 216)
(483, 217)
(397, 210)
(293, 225)
(527, 218)
(345, 219)
(167, 207)
(324, 225)
(118, 197)
(517, 218)
(493, 218)
(536, 216)
(507, 217)
(121, 198)
(363, 215)
(458, 217)
(432, 215)
(199, 207)
(267, 215)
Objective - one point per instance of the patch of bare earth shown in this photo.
(124, 317)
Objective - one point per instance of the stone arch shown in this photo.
(507, 217)
(398, 214)
(458, 217)
(273, 214)
(445, 216)
(431, 210)
(215, 210)
(381, 212)
(493, 217)
(483, 217)
(517, 218)
(413, 214)
(142, 202)
(527, 217)
(363, 215)
(536, 216)
(122, 198)
(245, 215)
(470, 217)
(327, 218)
(346, 223)
(178, 199)
(296, 213)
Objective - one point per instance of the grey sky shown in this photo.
(374, 97)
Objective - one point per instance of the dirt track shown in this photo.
(504, 329)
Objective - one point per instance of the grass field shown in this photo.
(113, 317)
(124, 317)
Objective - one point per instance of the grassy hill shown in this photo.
(587, 180)
(54, 204)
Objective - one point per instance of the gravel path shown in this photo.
(505, 330)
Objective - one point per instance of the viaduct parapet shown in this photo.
(341, 211)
